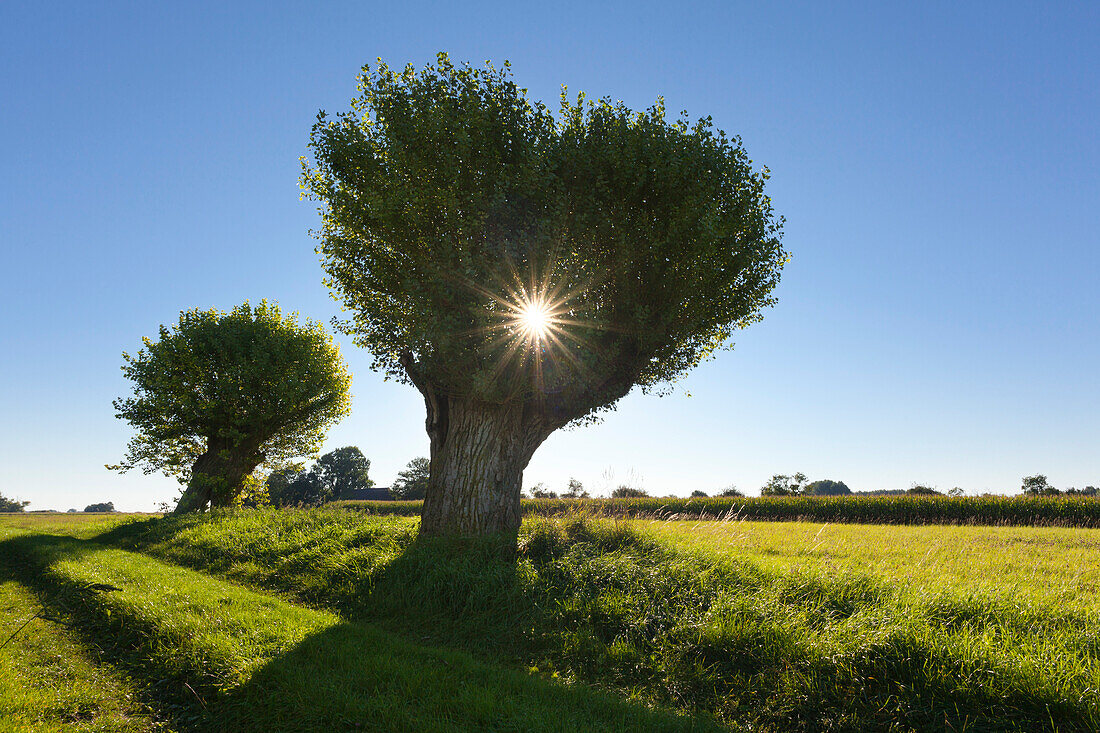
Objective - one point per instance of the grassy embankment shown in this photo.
(211, 655)
(1041, 511)
(734, 630)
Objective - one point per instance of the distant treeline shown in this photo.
(1059, 511)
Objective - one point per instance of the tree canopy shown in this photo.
(335, 475)
(784, 485)
(575, 490)
(342, 471)
(290, 486)
(412, 483)
(1038, 485)
(11, 505)
(827, 487)
(451, 201)
(525, 269)
(629, 492)
(220, 393)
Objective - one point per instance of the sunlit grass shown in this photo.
(49, 680)
(226, 658)
(786, 626)
(76, 524)
(1050, 565)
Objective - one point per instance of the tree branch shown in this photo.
(436, 422)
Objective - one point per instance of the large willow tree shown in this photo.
(525, 270)
(219, 394)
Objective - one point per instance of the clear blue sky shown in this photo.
(938, 165)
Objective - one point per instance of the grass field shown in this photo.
(1052, 566)
(758, 626)
(212, 655)
(49, 681)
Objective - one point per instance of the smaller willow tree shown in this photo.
(222, 393)
(525, 270)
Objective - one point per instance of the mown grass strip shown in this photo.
(605, 603)
(49, 682)
(255, 662)
(1036, 511)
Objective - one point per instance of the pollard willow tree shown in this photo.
(219, 394)
(524, 270)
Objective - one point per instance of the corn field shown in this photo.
(1052, 511)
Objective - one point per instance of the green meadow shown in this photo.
(1052, 566)
(49, 681)
(335, 618)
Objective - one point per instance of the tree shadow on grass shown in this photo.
(607, 605)
(342, 676)
(109, 641)
(469, 594)
(357, 677)
(615, 609)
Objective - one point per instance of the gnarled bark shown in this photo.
(217, 476)
(478, 453)
(480, 449)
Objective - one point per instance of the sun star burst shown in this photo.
(535, 319)
(534, 326)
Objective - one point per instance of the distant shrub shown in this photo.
(628, 492)
(11, 505)
(922, 490)
(342, 472)
(730, 491)
(337, 474)
(699, 494)
(827, 487)
(783, 485)
(575, 490)
(253, 493)
(290, 486)
(1087, 491)
(1038, 485)
(412, 483)
(108, 506)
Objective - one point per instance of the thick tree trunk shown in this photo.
(216, 476)
(478, 453)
